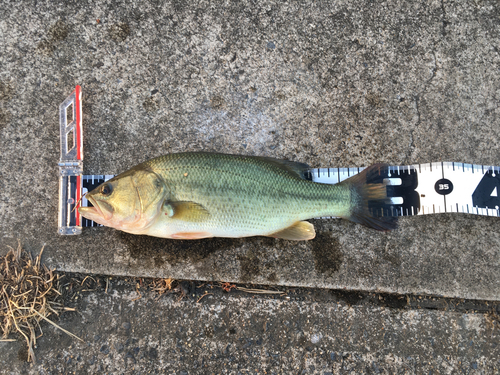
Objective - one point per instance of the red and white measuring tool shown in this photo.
(418, 189)
(71, 163)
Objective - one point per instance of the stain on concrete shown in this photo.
(119, 32)
(249, 266)
(5, 117)
(5, 91)
(57, 32)
(374, 99)
(45, 47)
(151, 104)
(158, 260)
(217, 102)
(327, 254)
(22, 354)
(280, 95)
(272, 278)
(393, 258)
(162, 250)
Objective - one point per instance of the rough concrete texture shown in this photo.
(327, 83)
(303, 332)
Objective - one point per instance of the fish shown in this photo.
(195, 195)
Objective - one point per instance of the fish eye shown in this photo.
(106, 189)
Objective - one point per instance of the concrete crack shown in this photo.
(411, 145)
(434, 71)
(417, 98)
(443, 21)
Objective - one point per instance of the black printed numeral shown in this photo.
(483, 196)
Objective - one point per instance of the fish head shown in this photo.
(130, 201)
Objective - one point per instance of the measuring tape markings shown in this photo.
(401, 182)
(90, 182)
(428, 188)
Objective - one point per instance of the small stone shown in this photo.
(104, 349)
(316, 337)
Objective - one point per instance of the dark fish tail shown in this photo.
(368, 198)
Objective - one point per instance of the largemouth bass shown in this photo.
(200, 195)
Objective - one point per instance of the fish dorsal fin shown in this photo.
(300, 231)
(295, 168)
(185, 210)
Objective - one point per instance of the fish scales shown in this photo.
(246, 195)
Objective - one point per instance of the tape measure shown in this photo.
(418, 189)
(430, 188)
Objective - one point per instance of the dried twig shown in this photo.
(259, 291)
(204, 295)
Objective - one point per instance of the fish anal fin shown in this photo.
(300, 231)
(185, 210)
(191, 235)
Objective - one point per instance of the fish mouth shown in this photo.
(95, 213)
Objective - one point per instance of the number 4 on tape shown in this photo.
(412, 190)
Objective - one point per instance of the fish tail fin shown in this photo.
(368, 197)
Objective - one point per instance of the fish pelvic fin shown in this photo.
(367, 198)
(300, 231)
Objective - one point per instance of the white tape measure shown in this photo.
(413, 190)
(431, 188)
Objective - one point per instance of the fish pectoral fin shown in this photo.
(186, 211)
(300, 231)
(191, 235)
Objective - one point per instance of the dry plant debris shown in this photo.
(29, 294)
(162, 285)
